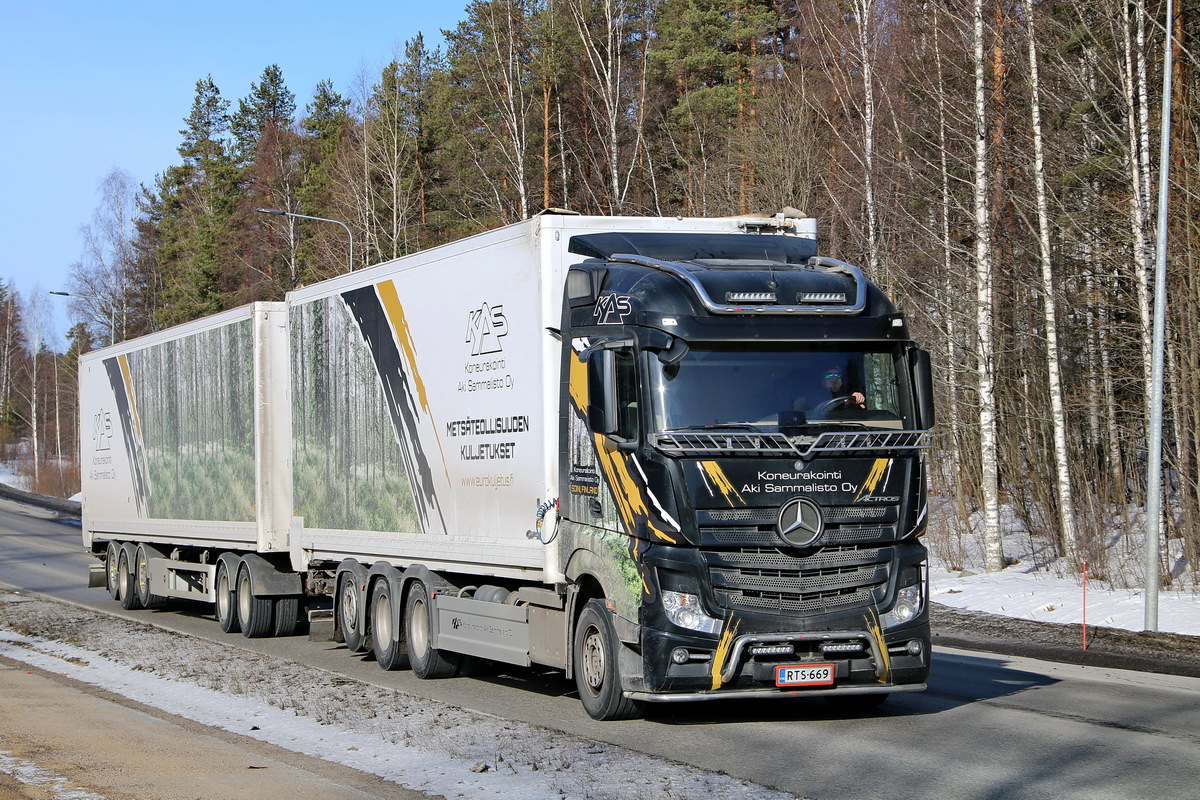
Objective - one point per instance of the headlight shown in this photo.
(685, 611)
(906, 608)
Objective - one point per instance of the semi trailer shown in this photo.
(678, 459)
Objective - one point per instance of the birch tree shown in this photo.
(494, 90)
(1066, 501)
(101, 279)
(988, 444)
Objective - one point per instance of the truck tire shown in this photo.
(350, 600)
(426, 661)
(126, 580)
(146, 597)
(287, 615)
(390, 649)
(596, 670)
(112, 559)
(256, 615)
(226, 603)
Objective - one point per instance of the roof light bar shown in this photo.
(749, 297)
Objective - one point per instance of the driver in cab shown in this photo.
(838, 390)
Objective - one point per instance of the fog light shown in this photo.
(680, 656)
(915, 647)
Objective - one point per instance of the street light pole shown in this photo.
(112, 313)
(349, 233)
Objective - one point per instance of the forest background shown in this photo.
(992, 165)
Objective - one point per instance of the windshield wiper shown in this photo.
(827, 425)
(717, 426)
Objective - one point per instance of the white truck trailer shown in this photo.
(679, 459)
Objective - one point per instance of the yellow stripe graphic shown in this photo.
(723, 648)
(123, 363)
(721, 481)
(878, 470)
(631, 504)
(391, 305)
(873, 627)
(390, 299)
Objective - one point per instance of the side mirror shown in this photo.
(602, 392)
(922, 380)
(612, 397)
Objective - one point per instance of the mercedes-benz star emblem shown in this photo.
(800, 522)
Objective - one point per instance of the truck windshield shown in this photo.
(781, 388)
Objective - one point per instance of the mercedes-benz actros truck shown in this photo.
(679, 459)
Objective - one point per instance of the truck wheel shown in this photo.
(226, 607)
(349, 601)
(596, 674)
(255, 614)
(426, 661)
(287, 615)
(389, 646)
(112, 558)
(142, 577)
(126, 580)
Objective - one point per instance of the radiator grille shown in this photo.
(768, 579)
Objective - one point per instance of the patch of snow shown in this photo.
(1037, 585)
(9, 476)
(415, 742)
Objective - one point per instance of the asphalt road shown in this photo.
(990, 726)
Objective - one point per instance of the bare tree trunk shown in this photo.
(1133, 92)
(604, 59)
(864, 10)
(1066, 500)
(988, 456)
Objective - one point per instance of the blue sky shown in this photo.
(88, 86)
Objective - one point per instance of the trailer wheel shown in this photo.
(126, 580)
(287, 615)
(142, 577)
(226, 607)
(596, 674)
(390, 649)
(112, 558)
(349, 601)
(255, 614)
(426, 661)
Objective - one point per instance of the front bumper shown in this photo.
(864, 662)
(766, 693)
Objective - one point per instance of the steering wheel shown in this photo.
(830, 405)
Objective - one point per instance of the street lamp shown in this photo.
(279, 213)
(112, 313)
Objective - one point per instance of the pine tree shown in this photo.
(270, 105)
(198, 198)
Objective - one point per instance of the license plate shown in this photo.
(804, 675)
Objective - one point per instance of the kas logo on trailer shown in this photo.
(485, 326)
(102, 431)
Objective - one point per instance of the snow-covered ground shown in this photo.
(9, 476)
(415, 742)
(1037, 587)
